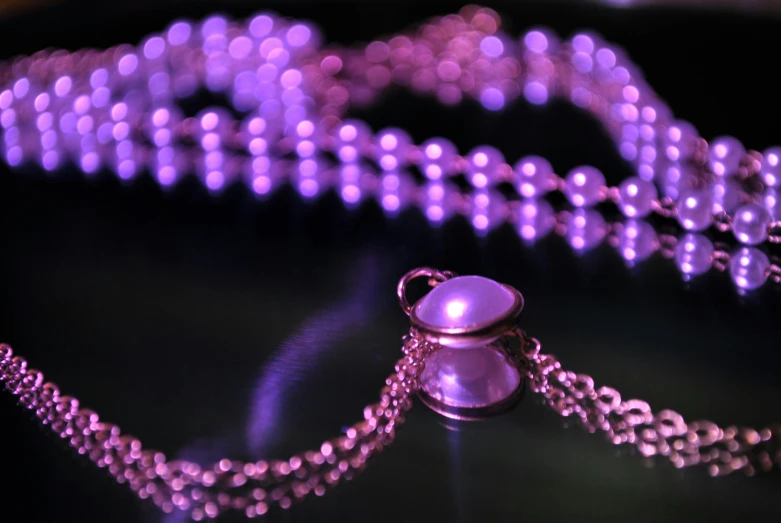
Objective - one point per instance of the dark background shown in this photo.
(225, 326)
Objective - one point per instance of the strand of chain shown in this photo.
(206, 491)
(631, 421)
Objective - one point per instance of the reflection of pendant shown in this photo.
(471, 375)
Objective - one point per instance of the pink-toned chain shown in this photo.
(206, 491)
(664, 433)
(253, 487)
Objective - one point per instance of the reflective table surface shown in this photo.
(226, 326)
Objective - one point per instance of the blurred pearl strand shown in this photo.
(118, 110)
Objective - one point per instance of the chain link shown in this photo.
(664, 433)
(206, 491)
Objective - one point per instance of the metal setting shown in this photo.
(434, 276)
(473, 334)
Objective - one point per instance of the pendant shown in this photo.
(471, 373)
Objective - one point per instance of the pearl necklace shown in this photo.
(117, 110)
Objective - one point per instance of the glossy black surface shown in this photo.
(226, 326)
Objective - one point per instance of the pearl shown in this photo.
(694, 254)
(586, 229)
(750, 225)
(695, 210)
(749, 268)
(771, 199)
(637, 241)
(464, 302)
(724, 155)
(771, 167)
(438, 156)
(536, 218)
(679, 141)
(391, 149)
(583, 186)
(484, 162)
(636, 196)
(469, 378)
(533, 176)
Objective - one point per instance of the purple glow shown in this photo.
(159, 83)
(166, 175)
(98, 78)
(21, 88)
(119, 111)
(68, 122)
(50, 160)
(127, 64)
(14, 156)
(583, 44)
(84, 125)
(49, 139)
(351, 193)
(214, 25)
(126, 169)
(749, 268)
(694, 255)
(209, 121)
(215, 180)
(586, 229)
(41, 102)
(536, 93)
(44, 122)
(582, 62)
(261, 184)
(298, 35)
(390, 202)
(11, 136)
(63, 86)
(492, 99)
(210, 141)
(637, 241)
(124, 149)
(627, 150)
(291, 78)
(240, 47)
(606, 58)
(305, 148)
(81, 105)
(581, 97)
(258, 146)
(161, 117)
(268, 45)
(279, 57)
(261, 164)
(492, 46)
(536, 219)
(631, 94)
(154, 48)
(100, 97)
(90, 162)
(308, 187)
(261, 26)
(179, 33)
(121, 130)
(536, 41)
(6, 99)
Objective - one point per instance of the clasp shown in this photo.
(435, 277)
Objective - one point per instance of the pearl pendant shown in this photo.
(467, 311)
(470, 375)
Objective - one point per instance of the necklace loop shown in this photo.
(435, 277)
